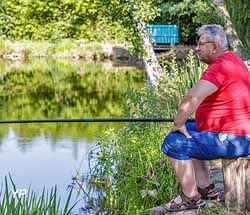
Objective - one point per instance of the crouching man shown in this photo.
(221, 102)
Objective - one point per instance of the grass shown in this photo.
(2, 47)
(5, 47)
(128, 171)
(61, 49)
(48, 203)
(36, 48)
(92, 50)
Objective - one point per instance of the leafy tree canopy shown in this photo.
(188, 15)
(111, 20)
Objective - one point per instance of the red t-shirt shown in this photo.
(228, 109)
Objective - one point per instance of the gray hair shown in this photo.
(215, 33)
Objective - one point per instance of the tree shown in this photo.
(133, 15)
(233, 39)
(189, 15)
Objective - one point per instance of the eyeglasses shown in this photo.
(203, 43)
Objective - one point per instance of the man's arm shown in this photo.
(190, 103)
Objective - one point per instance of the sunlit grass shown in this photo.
(5, 47)
(66, 48)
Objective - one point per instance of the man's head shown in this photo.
(212, 42)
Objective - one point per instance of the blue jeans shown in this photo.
(205, 145)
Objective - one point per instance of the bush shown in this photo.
(129, 172)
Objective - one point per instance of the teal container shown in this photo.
(163, 34)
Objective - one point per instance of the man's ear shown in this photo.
(216, 46)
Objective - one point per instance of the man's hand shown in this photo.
(182, 129)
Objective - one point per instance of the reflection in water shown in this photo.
(42, 90)
(51, 153)
(41, 161)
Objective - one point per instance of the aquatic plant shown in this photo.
(13, 202)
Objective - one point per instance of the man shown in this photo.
(221, 102)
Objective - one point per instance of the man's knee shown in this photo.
(169, 143)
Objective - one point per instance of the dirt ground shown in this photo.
(217, 175)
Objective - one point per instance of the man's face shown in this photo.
(205, 49)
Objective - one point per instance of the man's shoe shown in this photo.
(208, 193)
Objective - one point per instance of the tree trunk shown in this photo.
(153, 68)
(232, 36)
(237, 183)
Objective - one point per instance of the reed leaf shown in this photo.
(31, 204)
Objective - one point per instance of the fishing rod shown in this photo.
(92, 120)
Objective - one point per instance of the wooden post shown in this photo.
(237, 183)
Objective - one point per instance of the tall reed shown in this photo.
(48, 203)
(128, 171)
(239, 13)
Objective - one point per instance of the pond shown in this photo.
(44, 155)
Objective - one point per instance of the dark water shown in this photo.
(49, 154)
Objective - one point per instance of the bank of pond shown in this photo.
(104, 168)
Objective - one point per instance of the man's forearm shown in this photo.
(188, 105)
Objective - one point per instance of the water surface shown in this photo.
(49, 154)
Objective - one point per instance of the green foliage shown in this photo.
(46, 204)
(94, 20)
(111, 20)
(37, 48)
(180, 76)
(3, 49)
(239, 13)
(92, 49)
(188, 15)
(129, 171)
(66, 48)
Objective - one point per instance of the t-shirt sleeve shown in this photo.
(214, 75)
